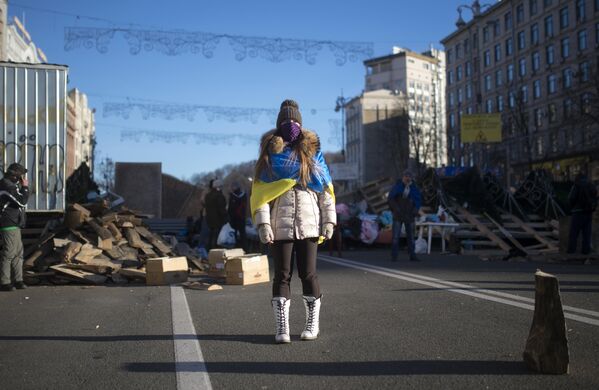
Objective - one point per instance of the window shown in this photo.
(485, 34)
(452, 120)
(582, 40)
(522, 67)
(449, 77)
(567, 108)
(458, 73)
(547, 3)
(540, 146)
(520, 13)
(536, 89)
(536, 61)
(553, 142)
(509, 47)
(507, 18)
(499, 103)
(475, 40)
(552, 113)
(521, 40)
(487, 58)
(468, 68)
(458, 51)
(585, 71)
(585, 103)
(580, 10)
(538, 117)
(466, 46)
(451, 99)
(549, 26)
(496, 28)
(524, 93)
(489, 106)
(469, 110)
(511, 100)
(487, 82)
(497, 53)
(498, 78)
(550, 55)
(510, 73)
(534, 34)
(563, 18)
(468, 91)
(449, 56)
(532, 6)
(567, 76)
(565, 44)
(551, 84)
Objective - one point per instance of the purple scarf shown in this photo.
(290, 131)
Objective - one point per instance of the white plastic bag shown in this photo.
(420, 246)
(226, 236)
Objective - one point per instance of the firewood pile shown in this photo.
(94, 245)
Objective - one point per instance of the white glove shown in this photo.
(327, 230)
(265, 233)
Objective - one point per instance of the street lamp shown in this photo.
(340, 106)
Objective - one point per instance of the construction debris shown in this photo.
(96, 245)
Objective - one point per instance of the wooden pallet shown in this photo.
(375, 193)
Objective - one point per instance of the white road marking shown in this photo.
(189, 362)
(465, 289)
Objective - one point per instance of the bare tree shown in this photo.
(106, 174)
(582, 102)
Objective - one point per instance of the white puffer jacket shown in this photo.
(299, 213)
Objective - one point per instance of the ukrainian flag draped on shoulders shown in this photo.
(285, 175)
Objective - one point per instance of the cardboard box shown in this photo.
(247, 269)
(217, 259)
(166, 270)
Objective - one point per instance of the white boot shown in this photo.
(311, 329)
(280, 306)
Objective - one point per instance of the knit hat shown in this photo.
(408, 173)
(289, 110)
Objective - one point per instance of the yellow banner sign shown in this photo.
(481, 128)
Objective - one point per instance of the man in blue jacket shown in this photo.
(404, 200)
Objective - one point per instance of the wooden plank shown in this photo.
(71, 250)
(528, 229)
(99, 229)
(87, 253)
(79, 275)
(116, 233)
(483, 229)
(133, 273)
(508, 235)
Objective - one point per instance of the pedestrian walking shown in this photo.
(583, 202)
(293, 205)
(14, 193)
(237, 213)
(404, 200)
(216, 211)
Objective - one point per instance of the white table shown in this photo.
(443, 226)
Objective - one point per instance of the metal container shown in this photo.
(33, 101)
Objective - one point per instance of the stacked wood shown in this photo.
(94, 246)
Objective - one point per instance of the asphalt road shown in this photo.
(384, 325)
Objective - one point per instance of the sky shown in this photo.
(191, 79)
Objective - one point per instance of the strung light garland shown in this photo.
(174, 43)
(185, 137)
(170, 111)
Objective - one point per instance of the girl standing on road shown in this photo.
(293, 205)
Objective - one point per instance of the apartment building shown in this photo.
(398, 121)
(535, 63)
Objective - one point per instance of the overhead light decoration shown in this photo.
(174, 43)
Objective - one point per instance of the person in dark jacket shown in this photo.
(404, 200)
(237, 214)
(583, 202)
(216, 211)
(14, 193)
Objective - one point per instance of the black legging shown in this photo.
(305, 255)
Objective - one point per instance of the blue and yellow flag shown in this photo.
(285, 175)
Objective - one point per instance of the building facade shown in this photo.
(535, 63)
(81, 131)
(398, 122)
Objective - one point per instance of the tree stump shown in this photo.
(547, 345)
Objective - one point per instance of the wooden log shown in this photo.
(546, 348)
(87, 253)
(39, 253)
(79, 275)
(133, 273)
(71, 250)
(133, 238)
(116, 233)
